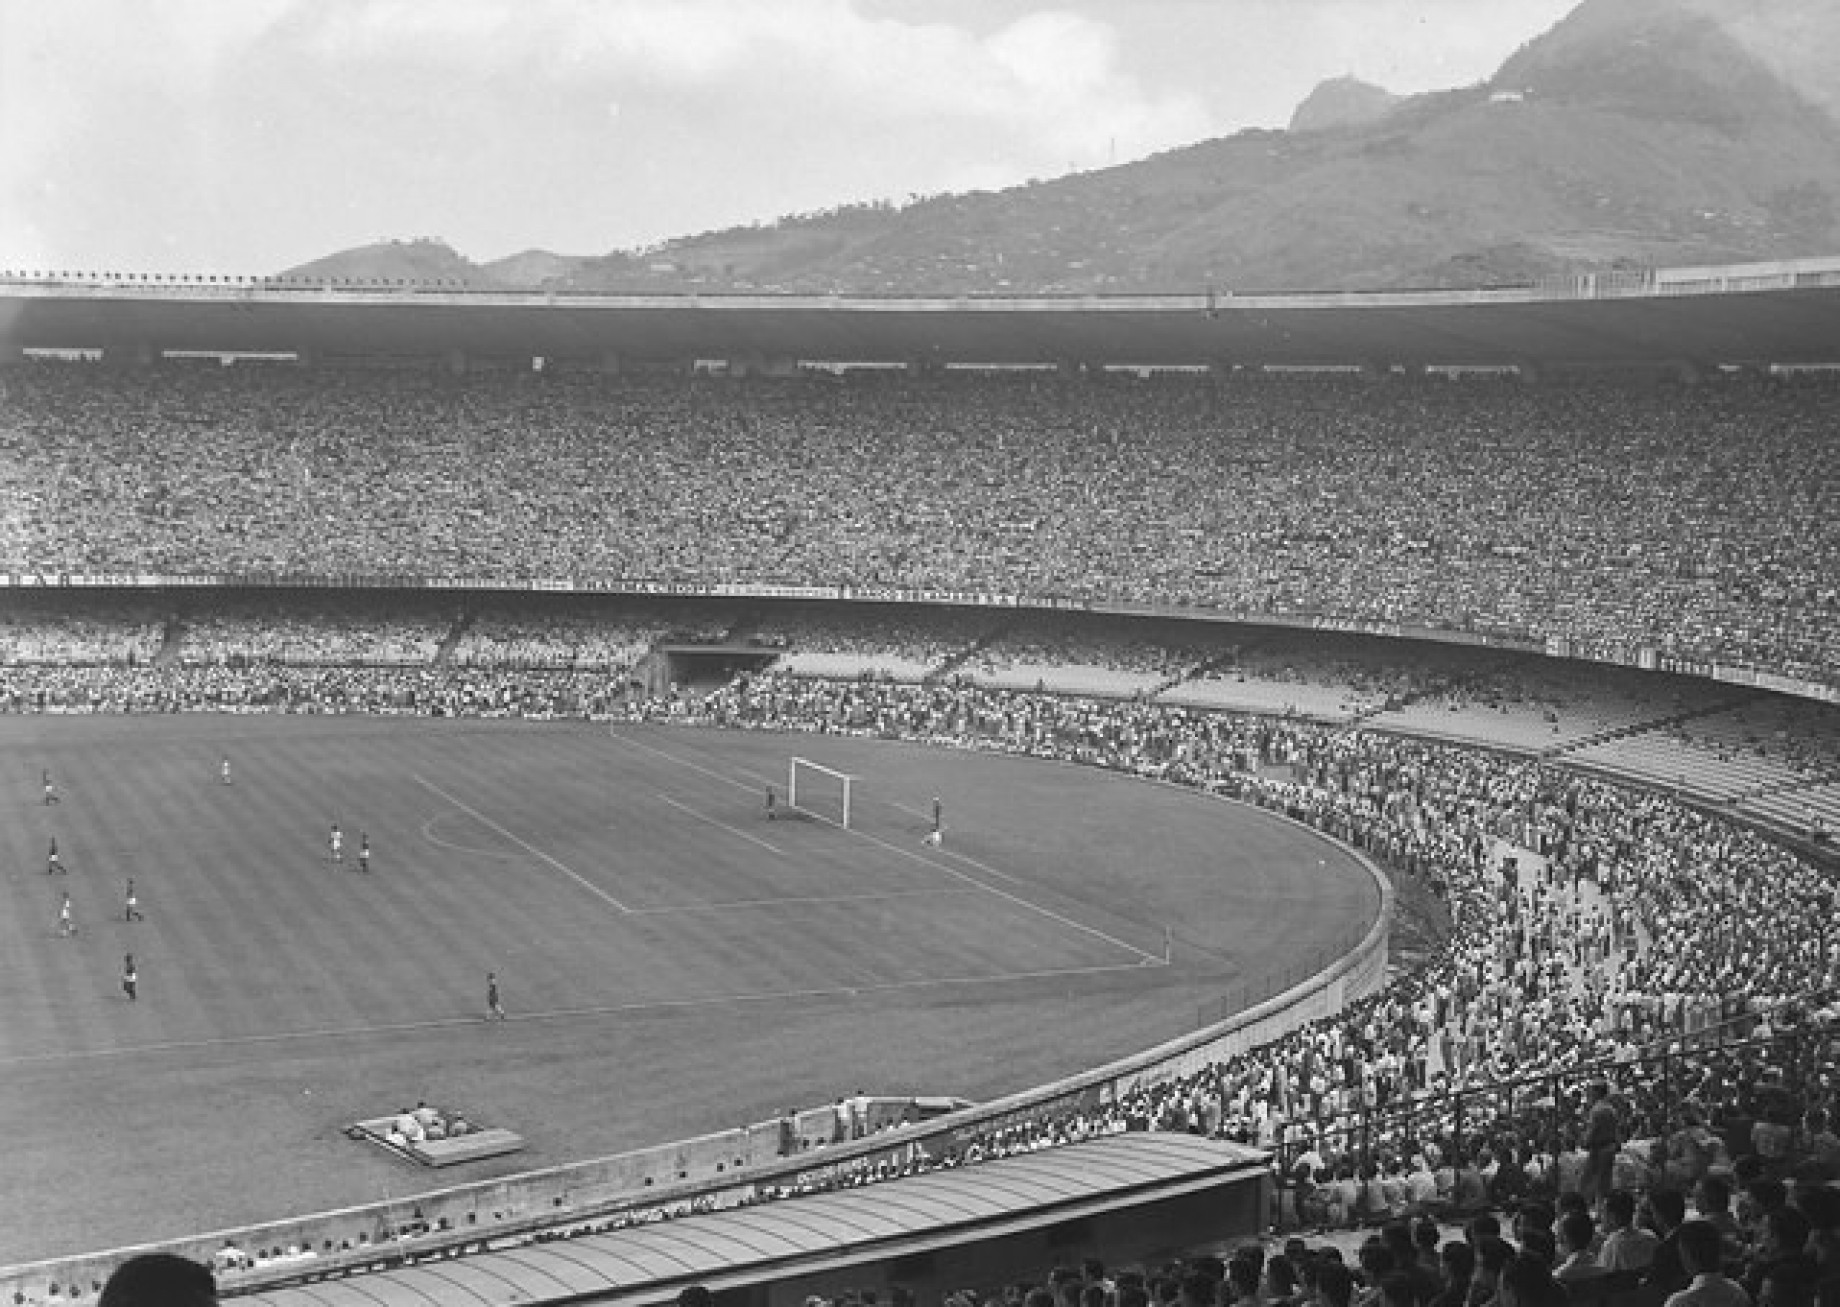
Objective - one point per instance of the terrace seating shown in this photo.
(1479, 507)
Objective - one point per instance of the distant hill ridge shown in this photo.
(1634, 133)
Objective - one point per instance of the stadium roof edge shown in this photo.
(1785, 312)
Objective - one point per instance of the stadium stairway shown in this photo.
(1220, 662)
(1655, 724)
(1225, 662)
(1395, 702)
(970, 651)
(451, 641)
(1162, 687)
(172, 637)
(743, 628)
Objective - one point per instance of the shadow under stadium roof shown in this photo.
(1753, 314)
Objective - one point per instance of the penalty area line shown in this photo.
(1144, 958)
(725, 905)
(688, 811)
(525, 845)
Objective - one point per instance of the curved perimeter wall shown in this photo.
(713, 1171)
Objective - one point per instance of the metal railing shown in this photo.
(1538, 1108)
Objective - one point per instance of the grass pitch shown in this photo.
(671, 961)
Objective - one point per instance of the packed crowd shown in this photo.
(532, 634)
(876, 633)
(1803, 738)
(310, 631)
(1761, 1246)
(57, 628)
(417, 690)
(1697, 523)
(1590, 924)
(1159, 652)
(1764, 1248)
(1593, 930)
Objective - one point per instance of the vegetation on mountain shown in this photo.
(1634, 133)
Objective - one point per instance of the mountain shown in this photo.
(531, 268)
(422, 261)
(1634, 133)
(1342, 102)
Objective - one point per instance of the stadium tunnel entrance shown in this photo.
(704, 666)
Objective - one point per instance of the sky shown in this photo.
(248, 136)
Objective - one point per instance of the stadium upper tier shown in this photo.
(1696, 521)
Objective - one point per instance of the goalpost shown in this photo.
(819, 791)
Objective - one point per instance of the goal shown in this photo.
(814, 790)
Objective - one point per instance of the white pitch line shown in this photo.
(429, 835)
(531, 849)
(806, 900)
(685, 762)
(713, 821)
(943, 852)
(1145, 958)
(563, 1014)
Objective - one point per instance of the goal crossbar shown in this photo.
(832, 780)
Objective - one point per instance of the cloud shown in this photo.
(73, 74)
(248, 134)
(1037, 76)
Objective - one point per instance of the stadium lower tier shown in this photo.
(1586, 920)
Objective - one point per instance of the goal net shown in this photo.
(814, 790)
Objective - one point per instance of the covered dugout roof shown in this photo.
(801, 1236)
(1784, 316)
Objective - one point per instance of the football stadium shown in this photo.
(968, 753)
(910, 790)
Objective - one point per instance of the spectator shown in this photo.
(1578, 1267)
(1457, 1259)
(1527, 1281)
(1784, 1238)
(1334, 1285)
(1601, 1138)
(1627, 1246)
(1712, 1204)
(1793, 1282)
(1667, 1273)
(1702, 1254)
(1821, 1149)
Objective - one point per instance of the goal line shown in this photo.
(815, 790)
